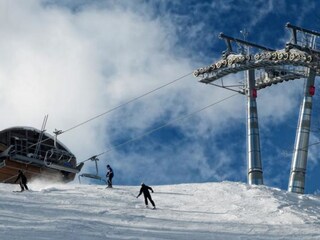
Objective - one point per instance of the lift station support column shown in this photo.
(300, 152)
(255, 174)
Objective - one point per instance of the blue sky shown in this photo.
(76, 59)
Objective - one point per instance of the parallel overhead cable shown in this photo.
(125, 103)
(112, 109)
(160, 127)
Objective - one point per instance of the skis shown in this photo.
(23, 191)
(153, 208)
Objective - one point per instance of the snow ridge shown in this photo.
(225, 210)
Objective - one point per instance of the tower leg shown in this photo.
(255, 174)
(300, 152)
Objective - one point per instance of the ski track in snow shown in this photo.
(224, 210)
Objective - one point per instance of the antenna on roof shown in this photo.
(56, 133)
(44, 123)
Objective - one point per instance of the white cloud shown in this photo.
(74, 65)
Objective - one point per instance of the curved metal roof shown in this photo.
(38, 131)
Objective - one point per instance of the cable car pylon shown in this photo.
(255, 173)
(299, 59)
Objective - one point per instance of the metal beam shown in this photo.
(42, 163)
(293, 27)
(223, 36)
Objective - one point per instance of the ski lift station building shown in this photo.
(37, 154)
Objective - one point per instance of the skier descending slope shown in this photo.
(145, 190)
(22, 181)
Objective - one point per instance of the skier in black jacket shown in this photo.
(145, 190)
(109, 176)
(23, 181)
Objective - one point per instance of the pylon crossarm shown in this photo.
(275, 75)
(234, 88)
(235, 63)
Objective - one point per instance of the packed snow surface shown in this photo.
(224, 210)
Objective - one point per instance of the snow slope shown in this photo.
(224, 210)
